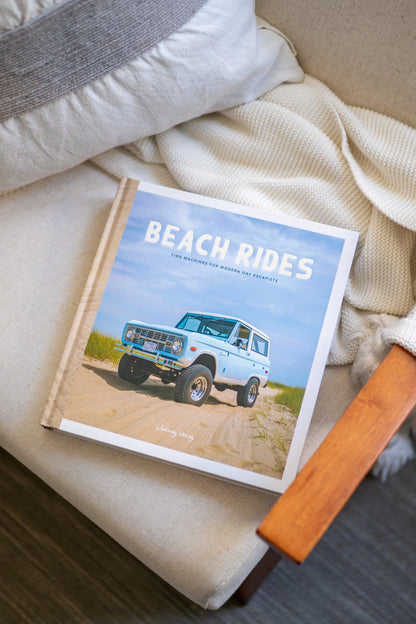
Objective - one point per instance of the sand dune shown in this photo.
(256, 439)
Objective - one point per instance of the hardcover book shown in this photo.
(203, 333)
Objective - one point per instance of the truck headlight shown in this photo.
(177, 345)
(130, 333)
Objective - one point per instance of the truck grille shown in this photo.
(163, 339)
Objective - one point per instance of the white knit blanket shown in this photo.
(300, 150)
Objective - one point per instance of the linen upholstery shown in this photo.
(363, 51)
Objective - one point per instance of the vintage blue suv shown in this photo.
(201, 350)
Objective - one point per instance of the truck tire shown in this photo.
(130, 369)
(193, 385)
(247, 395)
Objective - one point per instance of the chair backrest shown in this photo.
(364, 51)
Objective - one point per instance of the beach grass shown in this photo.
(101, 347)
(289, 396)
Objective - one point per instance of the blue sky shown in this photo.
(151, 284)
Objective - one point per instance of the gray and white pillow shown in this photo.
(78, 77)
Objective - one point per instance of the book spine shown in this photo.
(89, 304)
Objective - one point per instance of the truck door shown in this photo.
(239, 367)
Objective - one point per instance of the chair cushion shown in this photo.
(196, 532)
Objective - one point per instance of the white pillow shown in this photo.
(82, 77)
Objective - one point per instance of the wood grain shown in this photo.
(304, 512)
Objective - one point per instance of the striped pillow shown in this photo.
(78, 77)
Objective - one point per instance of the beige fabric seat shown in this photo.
(198, 533)
(183, 525)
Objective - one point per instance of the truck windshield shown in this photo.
(209, 325)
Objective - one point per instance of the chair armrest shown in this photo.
(303, 513)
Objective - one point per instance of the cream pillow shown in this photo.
(80, 77)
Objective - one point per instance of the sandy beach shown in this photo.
(256, 439)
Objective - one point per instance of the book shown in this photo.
(202, 334)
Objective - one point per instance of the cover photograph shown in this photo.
(203, 334)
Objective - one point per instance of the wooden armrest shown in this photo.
(304, 512)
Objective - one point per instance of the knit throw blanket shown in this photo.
(300, 150)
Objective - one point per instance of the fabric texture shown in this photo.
(300, 150)
(69, 94)
(15, 13)
(363, 51)
(81, 40)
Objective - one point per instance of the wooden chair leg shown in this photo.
(304, 512)
(257, 576)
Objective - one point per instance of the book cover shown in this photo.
(203, 333)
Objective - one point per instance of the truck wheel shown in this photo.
(247, 395)
(130, 369)
(194, 385)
